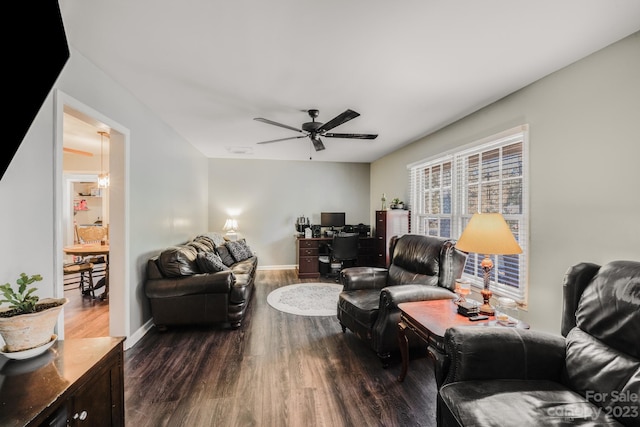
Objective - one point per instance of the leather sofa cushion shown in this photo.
(603, 374)
(415, 260)
(178, 261)
(497, 403)
(361, 305)
(608, 309)
(603, 354)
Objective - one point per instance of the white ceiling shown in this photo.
(410, 67)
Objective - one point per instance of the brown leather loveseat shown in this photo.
(205, 281)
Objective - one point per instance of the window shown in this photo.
(485, 176)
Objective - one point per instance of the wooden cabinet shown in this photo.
(308, 251)
(389, 223)
(75, 383)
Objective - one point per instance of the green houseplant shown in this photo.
(397, 204)
(28, 322)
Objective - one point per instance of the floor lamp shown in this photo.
(488, 234)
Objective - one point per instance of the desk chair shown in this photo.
(344, 249)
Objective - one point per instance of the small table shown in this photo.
(429, 320)
(93, 249)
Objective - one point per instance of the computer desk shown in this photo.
(308, 251)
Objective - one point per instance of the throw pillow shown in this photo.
(225, 255)
(210, 262)
(239, 250)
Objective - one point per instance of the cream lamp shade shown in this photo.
(488, 234)
(230, 225)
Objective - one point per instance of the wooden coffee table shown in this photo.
(429, 320)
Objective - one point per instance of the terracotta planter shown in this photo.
(26, 331)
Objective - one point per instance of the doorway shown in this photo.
(112, 207)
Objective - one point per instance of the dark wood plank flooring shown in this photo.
(277, 370)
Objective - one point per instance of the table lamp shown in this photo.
(231, 226)
(488, 234)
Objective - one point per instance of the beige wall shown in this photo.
(268, 196)
(167, 188)
(584, 167)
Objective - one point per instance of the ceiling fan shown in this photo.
(314, 130)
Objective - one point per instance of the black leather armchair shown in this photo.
(421, 268)
(588, 376)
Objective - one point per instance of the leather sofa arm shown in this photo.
(356, 278)
(207, 283)
(391, 296)
(385, 329)
(482, 353)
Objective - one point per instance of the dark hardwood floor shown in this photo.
(277, 370)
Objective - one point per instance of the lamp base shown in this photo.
(486, 293)
(486, 309)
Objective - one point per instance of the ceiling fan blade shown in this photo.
(351, 135)
(271, 122)
(338, 120)
(281, 139)
(74, 151)
(317, 143)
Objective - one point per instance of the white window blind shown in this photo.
(486, 176)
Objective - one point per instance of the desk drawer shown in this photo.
(308, 243)
(308, 264)
(308, 252)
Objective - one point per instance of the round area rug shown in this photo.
(306, 299)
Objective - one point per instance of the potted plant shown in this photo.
(397, 204)
(28, 322)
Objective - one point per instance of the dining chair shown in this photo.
(92, 234)
(80, 273)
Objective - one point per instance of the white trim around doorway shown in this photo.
(119, 265)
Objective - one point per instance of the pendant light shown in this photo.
(103, 178)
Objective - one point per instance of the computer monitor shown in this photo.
(332, 219)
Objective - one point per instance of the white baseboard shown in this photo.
(137, 335)
(278, 267)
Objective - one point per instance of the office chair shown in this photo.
(344, 249)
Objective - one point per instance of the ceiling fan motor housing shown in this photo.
(311, 127)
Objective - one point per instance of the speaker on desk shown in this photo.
(315, 230)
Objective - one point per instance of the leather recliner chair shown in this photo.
(421, 268)
(589, 375)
